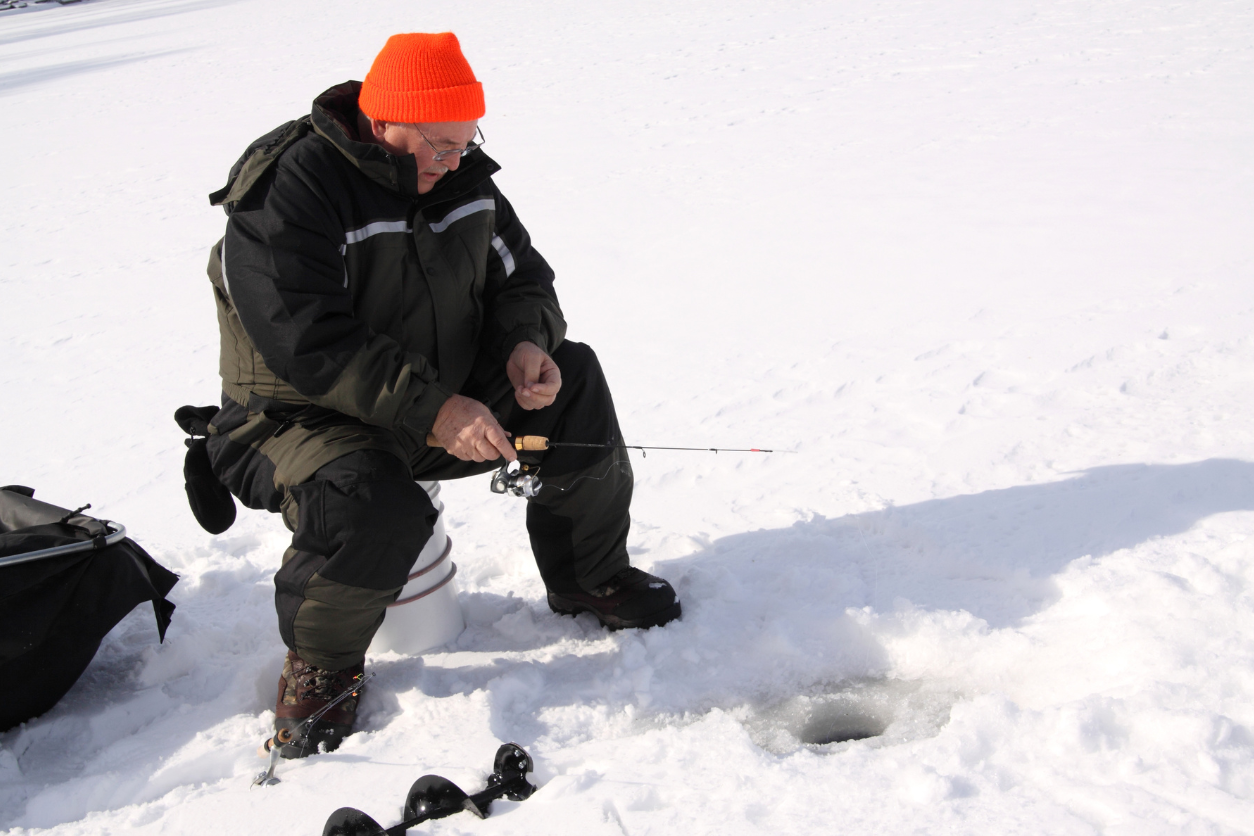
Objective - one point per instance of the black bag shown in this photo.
(65, 580)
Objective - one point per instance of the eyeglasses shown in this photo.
(440, 156)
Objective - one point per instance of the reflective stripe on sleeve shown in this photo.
(460, 212)
(222, 258)
(356, 235)
(507, 258)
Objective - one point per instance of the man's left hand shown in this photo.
(535, 376)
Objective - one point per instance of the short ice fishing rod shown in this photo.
(532, 443)
(525, 481)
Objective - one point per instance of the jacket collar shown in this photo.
(335, 119)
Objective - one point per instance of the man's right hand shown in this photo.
(466, 428)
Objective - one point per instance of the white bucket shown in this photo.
(426, 614)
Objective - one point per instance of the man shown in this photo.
(375, 292)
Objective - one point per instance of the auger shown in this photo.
(433, 797)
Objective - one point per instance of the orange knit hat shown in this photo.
(420, 77)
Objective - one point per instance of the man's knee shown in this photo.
(366, 516)
(576, 360)
(584, 387)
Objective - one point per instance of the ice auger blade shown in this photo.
(348, 821)
(433, 797)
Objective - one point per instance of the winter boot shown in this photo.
(304, 690)
(631, 598)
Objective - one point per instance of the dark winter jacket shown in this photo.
(339, 285)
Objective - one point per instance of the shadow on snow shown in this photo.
(72, 17)
(767, 613)
(992, 554)
(10, 82)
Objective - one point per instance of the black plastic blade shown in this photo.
(348, 821)
(433, 797)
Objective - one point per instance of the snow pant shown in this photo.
(348, 493)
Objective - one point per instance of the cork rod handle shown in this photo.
(521, 442)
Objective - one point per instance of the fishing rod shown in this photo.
(539, 442)
(525, 481)
(535, 443)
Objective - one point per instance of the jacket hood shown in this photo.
(334, 118)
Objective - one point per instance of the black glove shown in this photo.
(211, 503)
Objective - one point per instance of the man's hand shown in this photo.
(535, 376)
(466, 428)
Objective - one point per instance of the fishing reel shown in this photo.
(523, 482)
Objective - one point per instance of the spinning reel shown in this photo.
(524, 482)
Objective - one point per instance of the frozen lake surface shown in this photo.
(986, 267)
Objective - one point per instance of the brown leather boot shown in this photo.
(304, 690)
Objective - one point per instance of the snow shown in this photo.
(986, 267)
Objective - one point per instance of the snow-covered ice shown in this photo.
(987, 267)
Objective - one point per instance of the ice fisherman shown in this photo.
(373, 286)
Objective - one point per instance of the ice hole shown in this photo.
(825, 718)
(836, 723)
